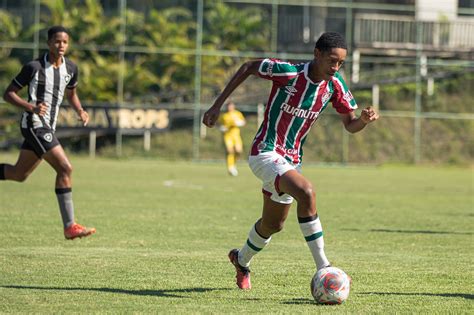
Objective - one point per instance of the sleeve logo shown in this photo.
(348, 96)
(270, 68)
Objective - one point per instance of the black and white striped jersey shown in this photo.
(46, 84)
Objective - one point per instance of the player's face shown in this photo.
(331, 61)
(58, 44)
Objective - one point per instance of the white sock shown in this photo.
(254, 244)
(313, 233)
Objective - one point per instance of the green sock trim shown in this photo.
(313, 236)
(255, 248)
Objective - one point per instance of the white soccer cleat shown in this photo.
(233, 171)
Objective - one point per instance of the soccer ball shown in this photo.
(330, 285)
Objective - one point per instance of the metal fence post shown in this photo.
(36, 34)
(147, 140)
(92, 143)
(118, 142)
(417, 125)
(197, 81)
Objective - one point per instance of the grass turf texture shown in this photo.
(404, 234)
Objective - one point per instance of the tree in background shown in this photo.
(11, 31)
(91, 28)
(233, 29)
(158, 77)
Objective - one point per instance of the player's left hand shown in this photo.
(84, 117)
(369, 115)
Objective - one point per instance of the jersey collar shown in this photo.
(46, 60)
(306, 74)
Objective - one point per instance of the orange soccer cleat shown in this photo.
(77, 230)
(243, 273)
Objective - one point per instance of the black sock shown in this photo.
(66, 206)
(2, 171)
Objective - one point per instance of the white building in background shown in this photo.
(436, 28)
(436, 10)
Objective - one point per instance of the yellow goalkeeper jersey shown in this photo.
(231, 121)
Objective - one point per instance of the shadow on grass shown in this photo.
(411, 231)
(160, 293)
(450, 295)
(301, 301)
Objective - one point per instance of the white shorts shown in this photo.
(269, 167)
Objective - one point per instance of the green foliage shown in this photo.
(10, 30)
(235, 29)
(231, 28)
(159, 67)
(155, 77)
(89, 26)
(168, 28)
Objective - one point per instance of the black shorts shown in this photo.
(39, 140)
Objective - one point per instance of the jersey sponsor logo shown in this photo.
(299, 112)
(48, 137)
(348, 96)
(326, 96)
(290, 90)
(67, 78)
(288, 151)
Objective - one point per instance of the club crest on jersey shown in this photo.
(48, 137)
(326, 96)
(290, 90)
(67, 78)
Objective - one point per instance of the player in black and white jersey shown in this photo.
(49, 78)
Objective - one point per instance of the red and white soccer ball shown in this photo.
(330, 285)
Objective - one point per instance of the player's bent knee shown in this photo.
(305, 193)
(65, 169)
(21, 179)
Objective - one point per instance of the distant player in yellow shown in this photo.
(230, 123)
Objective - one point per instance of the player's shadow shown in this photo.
(449, 295)
(411, 231)
(175, 293)
(300, 301)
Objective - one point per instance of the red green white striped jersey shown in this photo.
(294, 104)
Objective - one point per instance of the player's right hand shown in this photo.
(40, 109)
(211, 116)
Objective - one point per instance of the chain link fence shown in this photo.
(178, 55)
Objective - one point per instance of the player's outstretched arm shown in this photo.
(74, 101)
(248, 68)
(355, 124)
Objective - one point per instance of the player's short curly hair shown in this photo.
(57, 29)
(330, 40)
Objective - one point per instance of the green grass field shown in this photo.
(404, 234)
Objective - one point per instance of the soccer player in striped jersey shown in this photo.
(300, 92)
(48, 78)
